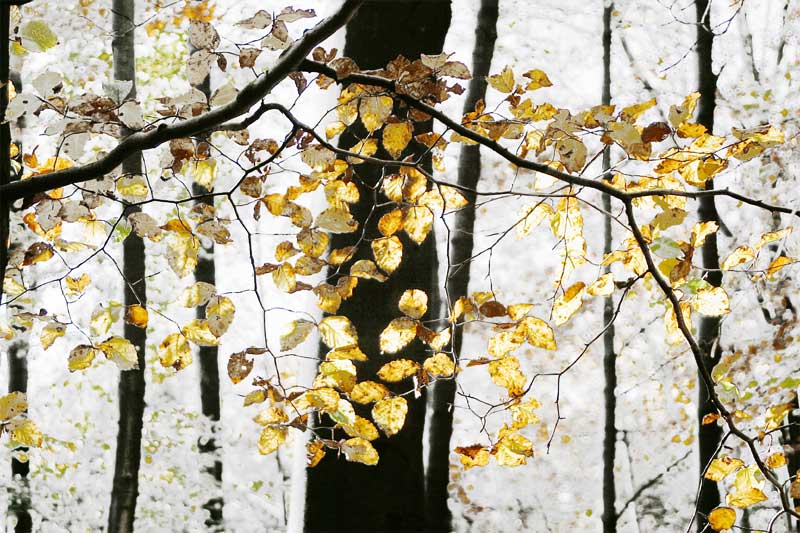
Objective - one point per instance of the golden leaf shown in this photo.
(701, 230)
(298, 332)
(531, 216)
(313, 243)
(13, 404)
(747, 488)
(358, 450)
(390, 414)
(343, 414)
(315, 452)
(471, 456)
(742, 254)
(776, 265)
(388, 253)
(338, 332)
(720, 468)
(340, 255)
(439, 365)
(398, 334)
(538, 80)
(522, 414)
(568, 303)
(396, 137)
(503, 82)
(284, 278)
(398, 370)
(711, 302)
(413, 303)
(174, 352)
(121, 352)
(721, 518)
(132, 188)
(776, 460)
(25, 432)
(333, 129)
(417, 222)
(368, 392)
(632, 112)
(352, 353)
(75, 287)
(81, 357)
(50, 333)
(362, 428)
(674, 334)
(366, 269)
(38, 252)
(518, 311)
(391, 222)
(512, 449)
(271, 438)
(506, 342)
(680, 114)
(773, 236)
(602, 286)
(196, 294)
(538, 333)
(337, 220)
(182, 251)
(219, 314)
(775, 415)
(198, 332)
(374, 110)
(340, 373)
(505, 373)
(136, 315)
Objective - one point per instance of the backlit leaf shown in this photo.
(175, 352)
(374, 110)
(297, 333)
(388, 253)
(747, 488)
(398, 370)
(13, 404)
(219, 314)
(358, 450)
(538, 80)
(512, 450)
(271, 439)
(239, 367)
(136, 315)
(196, 294)
(471, 456)
(721, 518)
(50, 333)
(439, 365)
(568, 303)
(505, 373)
(742, 254)
(711, 302)
(25, 432)
(368, 392)
(337, 332)
(396, 137)
(81, 357)
(121, 352)
(398, 334)
(199, 333)
(503, 82)
(720, 468)
(413, 303)
(390, 414)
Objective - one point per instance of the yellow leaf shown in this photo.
(632, 112)
(773, 236)
(366, 269)
(337, 220)
(284, 277)
(340, 374)
(453, 199)
(13, 404)
(136, 315)
(182, 251)
(674, 334)
(398, 370)
(25, 432)
(396, 137)
(362, 428)
(199, 333)
(538, 80)
(121, 352)
(50, 333)
(397, 334)
(439, 365)
(505, 373)
(340, 255)
(174, 352)
(333, 129)
(81, 357)
(775, 415)
(417, 222)
(390, 414)
(368, 392)
(219, 313)
(344, 414)
(747, 488)
(538, 333)
(518, 311)
(680, 114)
(313, 243)
(271, 415)
(75, 287)
(603, 286)
(776, 460)
(503, 82)
(101, 321)
(742, 254)
(522, 413)
(701, 230)
(133, 188)
(338, 332)
(776, 265)
(374, 110)
(391, 222)
(388, 253)
(271, 438)
(196, 294)
(38, 252)
(568, 303)
(315, 452)
(413, 303)
(358, 450)
(352, 353)
(572, 153)
(721, 518)
(298, 332)
(531, 216)
(255, 397)
(711, 302)
(720, 468)
(471, 456)
(512, 450)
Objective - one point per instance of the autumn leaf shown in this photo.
(13, 404)
(271, 439)
(472, 456)
(81, 357)
(505, 373)
(199, 332)
(747, 488)
(413, 303)
(136, 315)
(512, 449)
(503, 82)
(396, 137)
(174, 352)
(721, 518)
(538, 80)
(368, 392)
(337, 332)
(358, 450)
(711, 302)
(720, 468)
(239, 367)
(196, 294)
(121, 352)
(568, 303)
(25, 432)
(398, 334)
(390, 414)
(219, 314)
(398, 370)
(374, 110)
(388, 253)
(297, 333)
(439, 365)
(742, 254)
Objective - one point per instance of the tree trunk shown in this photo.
(708, 335)
(389, 496)
(209, 368)
(609, 355)
(457, 284)
(125, 490)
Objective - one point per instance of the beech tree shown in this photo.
(361, 200)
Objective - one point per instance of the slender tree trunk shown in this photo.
(709, 329)
(389, 496)
(609, 355)
(209, 368)
(125, 490)
(5, 141)
(457, 283)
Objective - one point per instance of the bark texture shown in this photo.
(125, 491)
(344, 496)
(457, 283)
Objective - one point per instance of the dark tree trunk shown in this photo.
(709, 435)
(609, 355)
(457, 283)
(125, 489)
(209, 368)
(389, 496)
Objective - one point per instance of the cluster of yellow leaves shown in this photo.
(23, 430)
